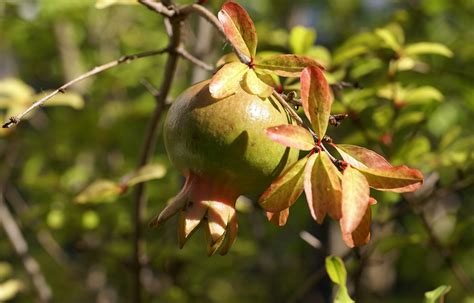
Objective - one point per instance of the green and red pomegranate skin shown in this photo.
(220, 146)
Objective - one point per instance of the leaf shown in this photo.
(67, 99)
(437, 295)
(284, 191)
(361, 235)
(338, 275)
(398, 179)
(278, 218)
(361, 157)
(422, 95)
(9, 289)
(292, 136)
(388, 38)
(227, 80)
(316, 98)
(253, 85)
(146, 173)
(355, 199)
(323, 187)
(227, 58)
(422, 48)
(301, 39)
(13, 90)
(99, 191)
(239, 28)
(100, 4)
(286, 65)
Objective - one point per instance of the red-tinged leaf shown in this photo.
(355, 199)
(316, 98)
(292, 136)
(323, 188)
(361, 235)
(399, 179)
(278, 218)
(253, 85)
(227, 58)
(239, 28)
(284, 191)
(286, 65)
(372, 201)
(360, 157)
(227, 80)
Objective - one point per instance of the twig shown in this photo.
(21, 248)
(158, 7)
(186, 55)
(96, 70)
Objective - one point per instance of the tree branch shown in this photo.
(188, 56)
(96, 70)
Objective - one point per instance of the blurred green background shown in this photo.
(415, 62)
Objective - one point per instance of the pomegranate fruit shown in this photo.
(220, 146)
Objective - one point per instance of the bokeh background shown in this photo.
(416, 107)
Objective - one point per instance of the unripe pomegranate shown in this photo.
(221, 148)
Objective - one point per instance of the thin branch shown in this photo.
(289, 109)
(206, 14)
(21, 248)
(158, 7)
(188, 56)
(96, 70)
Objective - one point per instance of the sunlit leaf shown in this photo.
(292, 136)
(99, 191)
(388, 38)
(67, 99)
(323, 188)
(397, 178)
(361, 235)
(105, 3)
(437, 295)
(301, 39)
(9, 289)
(284, 191)
(146, 173)
(355, 199)
(338, 275)
(361, 157)
(227, 58)
(278, 218)
(286, 65)
(14, 91)
(316, 98)
(227, 80)
(421, 95)
(239, 28)
(347, 53)
(422, 48)
(253, 85)
(320, 54)
(90, 219)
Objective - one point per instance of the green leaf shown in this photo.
(146, 173)
(254, 86)
(320, 54)
(397, 178)
(388, 38)
(292, 136)
(422, 95)
(338, 275)
(239, 28)
(284, 191)
(99, 191)
(360, 157)
(9, 289)
(106, 3)
(316, 98)
(286, 65)
(14, 91)
(227, 80)
(348, 53)
(423, 48)
(437, 295)
(301, 39)
(355, 199)
(67, 99)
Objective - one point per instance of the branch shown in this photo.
(188, 56)
(96, 70)
(21, 248)
(158, 7)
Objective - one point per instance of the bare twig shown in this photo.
(21, 248)
(186, 55)
(96, 70)
(158, 7)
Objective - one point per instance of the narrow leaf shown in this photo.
(66, 99)
(301, 39)
(284, 191)
(355, 199)
(99, 191)
(422, 48)
(437, 295)
(337, 273)
(388, 37)
(316, 98)
(397, 179)
(286, 65)
(361, 157)
(253, 85)
(292, 136)
(227, 80)
(146, 173)
(361, 235)
(239, 28)
(278, 218)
